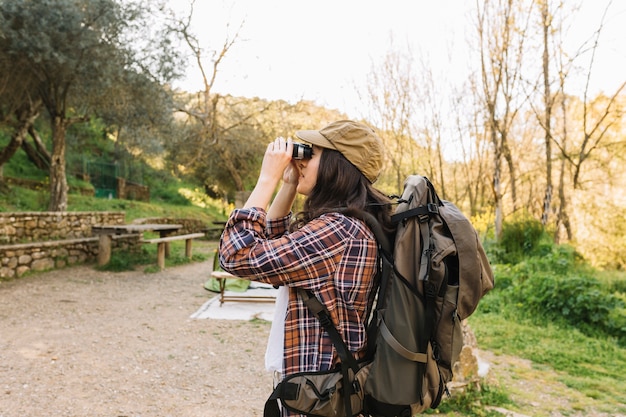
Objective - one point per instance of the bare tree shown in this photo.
(597, 118)
(501, 29)
(392, 96)
(217, 118)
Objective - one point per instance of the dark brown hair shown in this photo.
(341, 185)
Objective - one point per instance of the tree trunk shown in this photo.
(563, 216)
(497, 186)
(37, 154)
(230, 167)
(506, 153)
(547, 123)
(26, 116)
(58, 177)
(39, 145)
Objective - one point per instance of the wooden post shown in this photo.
(161, 255)
(188, 248)
(104, 249)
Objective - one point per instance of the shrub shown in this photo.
(523, 238)
(577, 300)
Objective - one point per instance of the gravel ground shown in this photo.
(79, 342)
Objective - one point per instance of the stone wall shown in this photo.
(18, 259)
(38, 241)
(127, 190)
(22, 227)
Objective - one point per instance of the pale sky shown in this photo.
(320, 50)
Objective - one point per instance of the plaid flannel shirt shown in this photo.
(334, 256)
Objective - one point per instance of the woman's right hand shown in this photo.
(277, 160)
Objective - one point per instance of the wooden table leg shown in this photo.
(104, 249)
(222, 282)
(161, 251)
(188, 252)
(164, 233)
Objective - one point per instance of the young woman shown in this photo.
(321, 250)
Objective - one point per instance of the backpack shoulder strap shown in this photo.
(318, 309)
(347, 359)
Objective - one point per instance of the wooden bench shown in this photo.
(163, 241)
(222, 276)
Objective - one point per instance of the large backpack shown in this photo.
(430, 280)
(439, 274)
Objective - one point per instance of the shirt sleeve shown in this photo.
(277, 227)
(305, 258)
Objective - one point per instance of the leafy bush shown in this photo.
(520, 239)
(577, 300)
(559, 287)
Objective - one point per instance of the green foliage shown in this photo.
(557, 310)
(590, 365)
(522, 238)
(574, 299)
(473, 402)
(559, 287)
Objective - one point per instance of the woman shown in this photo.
(321, 250)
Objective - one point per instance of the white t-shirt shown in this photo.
(275, 343)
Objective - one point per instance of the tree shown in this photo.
(596, 117)
(222, 129)
(501, 29)
(76, 51)
(392, 97)
(18, 108)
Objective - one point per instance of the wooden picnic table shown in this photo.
(106, 231)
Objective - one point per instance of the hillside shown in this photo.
(190, 203)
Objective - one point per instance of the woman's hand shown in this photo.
(277, 161)
(291, 175)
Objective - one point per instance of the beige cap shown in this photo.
(356, 141)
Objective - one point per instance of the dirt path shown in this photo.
(82, 343)
(78, 342)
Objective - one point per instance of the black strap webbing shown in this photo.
(347, 359)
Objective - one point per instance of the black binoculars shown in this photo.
(302, 151)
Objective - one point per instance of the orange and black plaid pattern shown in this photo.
(334, 256)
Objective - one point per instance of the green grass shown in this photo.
(147, 254)
(590, 366)
(475, 401)
(198, 207)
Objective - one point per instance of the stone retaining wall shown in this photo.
(38, 241)
(22, 227)
(18, 259)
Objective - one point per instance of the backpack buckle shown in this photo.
(430, 290)
(432, 208)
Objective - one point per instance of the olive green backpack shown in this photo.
(431, 278)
